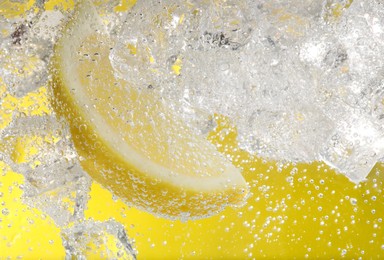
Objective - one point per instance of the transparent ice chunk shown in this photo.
(65, 203)
(98, 240)
(26, 49)
(355, 147)
(288, 74)
(40, 148)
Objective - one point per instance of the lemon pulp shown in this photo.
(128, 140)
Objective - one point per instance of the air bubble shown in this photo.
(353, 201)
(5, 211)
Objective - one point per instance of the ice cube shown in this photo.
(26, 50)
(92, 239)
(288, 74)
(40, 148)
(47, 27)
(355, 147)
(64, 203)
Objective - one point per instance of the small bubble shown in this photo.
(82, 128)
(353, 201)
(5, 212)
(120, 253)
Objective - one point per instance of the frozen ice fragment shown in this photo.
(355, 147)
(106, 239)
(289, 74)
(40, 149)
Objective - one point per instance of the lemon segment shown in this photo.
(129, 140)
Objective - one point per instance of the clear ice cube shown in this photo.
(26, 48)
(93, 239)
(289, 74)
(40, 148)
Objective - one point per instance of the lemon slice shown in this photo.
(128, 140)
